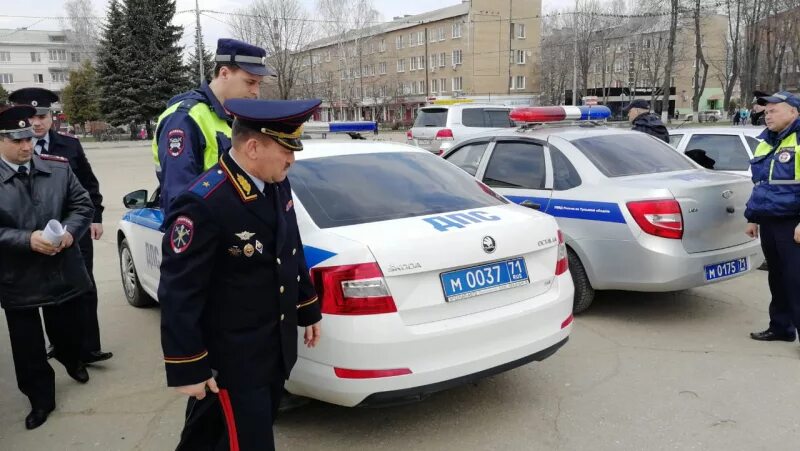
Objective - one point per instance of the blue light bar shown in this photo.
(352, 126)
(594, 113)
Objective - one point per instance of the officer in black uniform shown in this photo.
(49, 142)
(234, 282)
(35, 272)
(645, 121)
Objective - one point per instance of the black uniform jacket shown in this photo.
(70, 148)
(29, 279)
(234, 282)
(651, 124)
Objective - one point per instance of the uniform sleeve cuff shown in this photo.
(187, 370)
(308, 313)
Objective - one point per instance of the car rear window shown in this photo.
(631, 154)
(358, 189)
(485, 117)
(727, 151)
(431, 117)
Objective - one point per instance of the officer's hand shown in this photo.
(797, 234)
(66, 241)
(96, 230)
(311, 337)
(42, 246)
(752, 230)
(199, 390)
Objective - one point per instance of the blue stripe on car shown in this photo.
(315, 255)
(575, 209)
(150, 218)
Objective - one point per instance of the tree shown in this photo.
(194, 65)
(80, 97)
(699, 60)
(3, 95)
(80, 19)
(140, 54)
(673, 28)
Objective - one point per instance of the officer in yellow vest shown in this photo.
(773, 212)
(195, 130)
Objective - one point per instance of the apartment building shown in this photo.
(34, 58)
(479, 50)
(626, 61)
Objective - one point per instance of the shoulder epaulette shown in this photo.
(67, 135)
(187, 104)
(208, 182)
(49, 157)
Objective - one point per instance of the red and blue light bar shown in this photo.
(543, 114)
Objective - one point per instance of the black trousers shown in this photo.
(35, 377)
(234, 420)
(783, 255)
(91, 339)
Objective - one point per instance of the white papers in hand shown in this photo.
(54, 232)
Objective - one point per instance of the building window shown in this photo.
(434, 60)
(38, 78)
(36, 57)
(457, 29)
(421, 37)
(457, 57)
(519, 56)
(398, 41)
(76, 57)
(382, 68)
(401, 65)
(58, 55)
(442, 85)
(519, 30)
(328, 56)
(645, 64)
(618, 66)
(434, 86)
(442, 59)
(441, 34)
(458, 83)
(646, 43)
(5, 56)
(422, 87)
(6, 79)
(413, 63)
(412, 39)
(421, 62)
(519, 82)
(382, 46)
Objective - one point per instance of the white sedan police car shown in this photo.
(636, 214)
(427, 277)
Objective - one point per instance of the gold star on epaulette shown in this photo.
(206, 184)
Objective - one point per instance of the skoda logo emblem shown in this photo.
(489, 245)
(727, 194)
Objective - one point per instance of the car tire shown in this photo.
(134, 292)
(584, 293)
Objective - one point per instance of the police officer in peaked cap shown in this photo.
(234, 282)
(195, 129)
(49, 142)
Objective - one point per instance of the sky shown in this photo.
(213, 29)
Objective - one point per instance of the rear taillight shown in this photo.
(658, 217)
(444, 133)
(567, 321)
(353, 290)
(562, 265)
(344, 373)
(409, 134)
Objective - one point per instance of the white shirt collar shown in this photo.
(259, 183)
(15, 167)
(46, 139)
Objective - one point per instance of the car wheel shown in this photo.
(134, 293)
(584, 293)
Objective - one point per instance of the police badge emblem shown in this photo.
(234, 251)
(182, 233)
(784, 157)
(259, 247)
(245, 235)
(249, 250)
(175, 142)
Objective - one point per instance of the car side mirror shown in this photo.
(135, 199)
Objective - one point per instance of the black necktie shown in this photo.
(22, 173)
(42, 144)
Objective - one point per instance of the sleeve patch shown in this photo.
(176, 142)
(181, 235)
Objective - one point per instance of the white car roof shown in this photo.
(568, 132)
(467, 105)
(321, 149)
(747, 131)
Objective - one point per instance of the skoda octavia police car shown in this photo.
(636, 215)
(427, 278)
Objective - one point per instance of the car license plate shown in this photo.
(423, 142)
(726, 269)
(478, 280)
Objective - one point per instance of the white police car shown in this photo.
(427, 277)
(636, 214)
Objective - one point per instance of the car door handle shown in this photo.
(531, 204)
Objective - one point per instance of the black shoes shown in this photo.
(36, 418)
(769, 335)
(96, 356)
(79, 373)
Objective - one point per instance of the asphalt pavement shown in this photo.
(641, 371)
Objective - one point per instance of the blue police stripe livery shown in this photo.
(576, 209)
(315, 256)
(207, 183)
(150, 218)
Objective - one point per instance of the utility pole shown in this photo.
(575, 57)
(200, 51)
